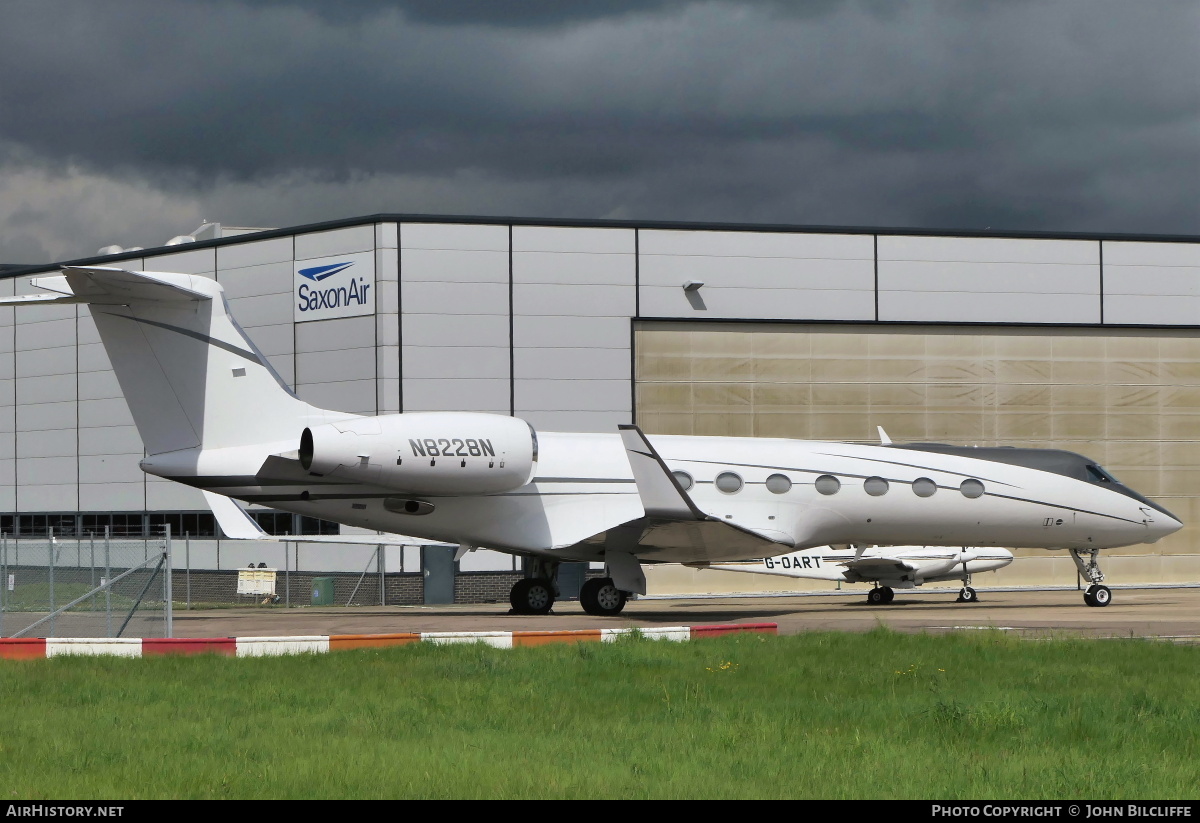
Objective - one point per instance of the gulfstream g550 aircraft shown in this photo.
(213, 414)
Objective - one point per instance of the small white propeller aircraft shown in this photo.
(214, 415)
(889, 568)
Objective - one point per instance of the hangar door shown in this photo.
(1128, 398)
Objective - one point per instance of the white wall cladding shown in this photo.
(570, 375)
(464, 322)
(1152, 283)
(757, 275)
(454, 328)
(988, 280)
(336, 241)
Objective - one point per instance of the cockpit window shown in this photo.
(1099, 475)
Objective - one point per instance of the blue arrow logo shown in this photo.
(319, 273)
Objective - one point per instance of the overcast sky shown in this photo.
(129, 122)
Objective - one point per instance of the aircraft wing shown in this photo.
(867, 566)
(674, 528)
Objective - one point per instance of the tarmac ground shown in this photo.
(1171, 613)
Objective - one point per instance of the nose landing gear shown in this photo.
(1096, 594)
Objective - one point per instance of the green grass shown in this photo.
(880, 715)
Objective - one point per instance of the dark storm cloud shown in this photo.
(1015, 115)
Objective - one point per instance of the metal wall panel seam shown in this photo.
(1100, 243)
(513, 384)
(875, 239)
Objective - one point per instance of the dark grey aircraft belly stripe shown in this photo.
(203, 338)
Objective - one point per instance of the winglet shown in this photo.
(883, 437)
(234, 522)
(662, 496)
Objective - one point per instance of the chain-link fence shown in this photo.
(93, 586)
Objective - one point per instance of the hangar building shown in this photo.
(1083, 342)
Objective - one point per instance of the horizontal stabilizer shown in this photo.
(105, 285)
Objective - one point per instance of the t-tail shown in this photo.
(192, 378)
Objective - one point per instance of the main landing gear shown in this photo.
(536, 594)
(1096, 594)
(532, 596)
(599, 596)
(880, 596)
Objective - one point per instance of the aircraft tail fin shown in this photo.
(191, 376)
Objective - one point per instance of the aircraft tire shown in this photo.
(532, 596)
(968, 595)
(888, 594)
(600, 597)
(877, 596)
(1097, 596)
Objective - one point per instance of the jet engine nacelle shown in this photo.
(425, 452)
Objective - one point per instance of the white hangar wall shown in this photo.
(539, 320)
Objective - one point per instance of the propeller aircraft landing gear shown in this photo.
(1096, 594)
(966, 594)
(880, 596)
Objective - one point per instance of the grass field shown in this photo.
(879, 715)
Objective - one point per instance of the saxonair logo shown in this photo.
(335, 287)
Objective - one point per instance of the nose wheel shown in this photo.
(967, 595)
(1097, 595)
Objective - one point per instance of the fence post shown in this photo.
(187, 560)
(50, 556)
(382, 564)
(3, 579)
(167, 583)
(287, 576)
(107, 588)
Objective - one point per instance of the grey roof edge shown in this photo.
(781, 228)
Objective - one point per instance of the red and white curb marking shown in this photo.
(34, 647)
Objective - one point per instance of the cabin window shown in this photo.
(684, 480)
(924, 487)
(779, 484)
(875, 486)
(729, 482)
(828, 484)
(971, 488)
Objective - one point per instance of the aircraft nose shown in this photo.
(1160, 524)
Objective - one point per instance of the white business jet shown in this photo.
(213, 414)
(889, 568)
